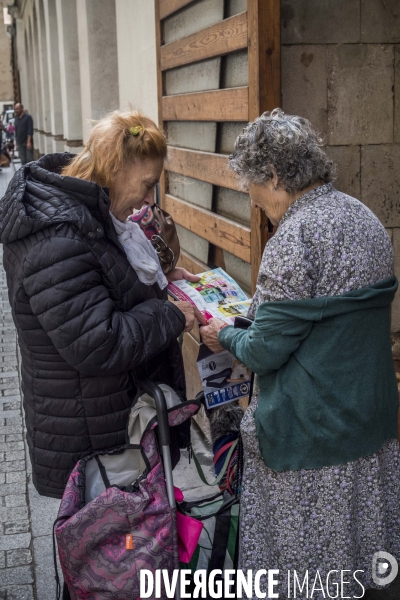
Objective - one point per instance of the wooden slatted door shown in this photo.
(218, 68)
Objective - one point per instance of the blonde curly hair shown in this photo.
(112, 146)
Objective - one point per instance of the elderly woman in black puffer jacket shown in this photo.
(89, 323)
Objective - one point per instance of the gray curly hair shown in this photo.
(285, 144)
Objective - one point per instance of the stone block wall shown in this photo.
(341, 70)
(6, 82)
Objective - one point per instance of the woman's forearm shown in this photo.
(262, 352)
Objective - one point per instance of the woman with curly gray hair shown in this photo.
(321, 485)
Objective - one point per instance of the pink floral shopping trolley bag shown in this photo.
(117, 515)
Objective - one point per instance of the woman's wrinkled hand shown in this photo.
(191, 313)
(209, 334)
(180, 273)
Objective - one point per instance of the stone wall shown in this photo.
(6, 82)
(341, 70)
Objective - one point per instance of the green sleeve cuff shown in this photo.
(226, 336)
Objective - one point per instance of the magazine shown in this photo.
(215, 295)
(223, 377)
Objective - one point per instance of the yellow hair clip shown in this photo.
(135, 130)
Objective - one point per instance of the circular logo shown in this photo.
(381, 574)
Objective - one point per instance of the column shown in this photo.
(22, 57)
(44, 71)
(137, 61)
(67, 24)
(36, 85)
(98, 59)
(53, 65)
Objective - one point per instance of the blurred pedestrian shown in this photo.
(23, 134)
(10, 131)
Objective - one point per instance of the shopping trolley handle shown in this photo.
(156, 392)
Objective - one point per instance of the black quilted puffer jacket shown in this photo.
(87, 327)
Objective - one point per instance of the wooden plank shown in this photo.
(259, 237)
(206, 166)
(218, 105)
(160, 82)
(218, 257)
(190, 263)
(218, 230)
(264, 56)
(190, 351)
(169, 7)
(221, 38)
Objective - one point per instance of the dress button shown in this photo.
(99, 230)
(90, 234)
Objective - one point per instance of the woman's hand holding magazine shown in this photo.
(209, 334)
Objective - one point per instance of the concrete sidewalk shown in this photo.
(26, 519)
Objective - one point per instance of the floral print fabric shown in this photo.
(334, 518)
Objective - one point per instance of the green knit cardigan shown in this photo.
(328, 390)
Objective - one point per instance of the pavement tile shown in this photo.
(10, 383)
(14, 455)
(16, 477)
(17, 527)
(5, 414)
(19, 513)
(16, 575)
(17, 397)
(9, 391)
(9, 429)
(16, 500)
(19, 557)
(14, 465)
(20, 592)
(12, 420)
(14, 437)
(12, 542)
(7, 406)
(13, 488)
(8, 446)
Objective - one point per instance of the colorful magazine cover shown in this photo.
(224, 378)
(215, 295)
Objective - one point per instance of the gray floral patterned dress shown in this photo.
(334, 518)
